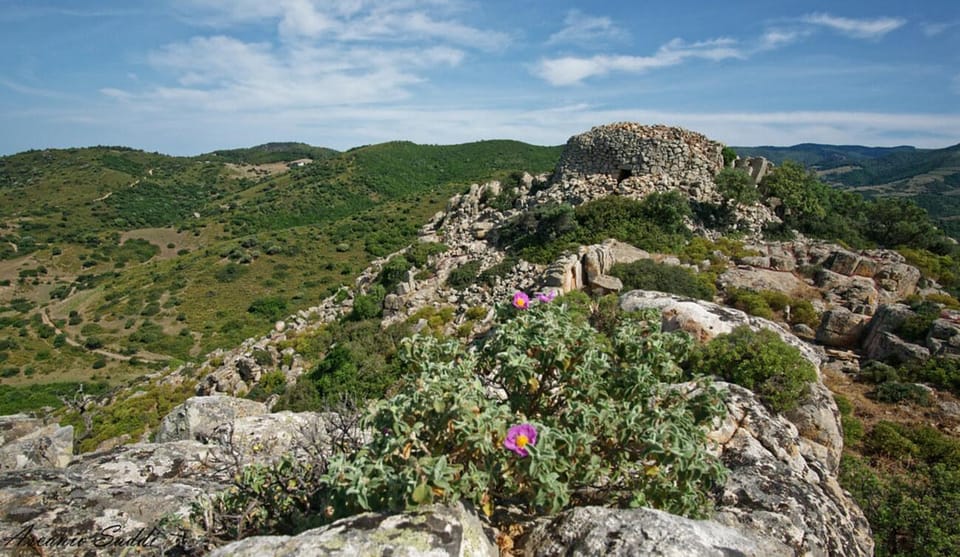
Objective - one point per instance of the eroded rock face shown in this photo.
(776, 490)
(434, 531)
(590, 531)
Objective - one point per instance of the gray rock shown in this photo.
(199, 417)
(843, 262)
(778, 490)
(435, 531)
(898, 279)
(593, 531)
(135, 494)
(841, 328)
(26, 442)
(606, 283)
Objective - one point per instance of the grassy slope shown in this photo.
(211, 242)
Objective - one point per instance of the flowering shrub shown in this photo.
(546, 412)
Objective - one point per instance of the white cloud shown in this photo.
(856, 28)
(391, 21)
(571, 70)
(586, 30)
(340, 53)
(776, 38)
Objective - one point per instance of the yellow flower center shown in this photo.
(522, 440)
(521, 302)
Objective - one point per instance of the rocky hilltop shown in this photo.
(781, 497)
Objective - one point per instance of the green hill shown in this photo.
(148, 258)
(270, 152)
(821, 156)
(929, 177)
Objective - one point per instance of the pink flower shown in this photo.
(547, 297)
(521, 300)
(519, 436)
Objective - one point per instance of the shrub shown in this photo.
(271, 308)
(271, 383)
(760, 361)
(464, 275)
(628, 428)
(262, 357)
(610, 428)
(894, 392)
(646, 274)
(736, 186)
(369, 305)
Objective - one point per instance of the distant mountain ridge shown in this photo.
(930, 177)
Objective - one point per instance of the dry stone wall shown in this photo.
(628, 149)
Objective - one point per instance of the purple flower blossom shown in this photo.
(521, 300)
(519, 436)
(546, 297)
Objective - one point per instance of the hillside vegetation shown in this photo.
(113, 259)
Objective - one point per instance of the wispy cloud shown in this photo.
(355, 52)
(586, 30)
(35, 91)
(776, 38)
(856, 28)
(938, 28)
(570, 70)
(352, 20)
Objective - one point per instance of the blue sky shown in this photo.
(189, 76)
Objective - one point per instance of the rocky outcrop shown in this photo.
(199, 417)
(777, 490)
(783, 468)
(130, 499)
(589, 531)
(433, 531)
(27, 442)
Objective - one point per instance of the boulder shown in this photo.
(843, 262)
(888, 318)
(27, 442)
(606, 283)
(130, 499)
(199, 417)
(944, 337)
(434, 531)
(762, 279)
(898, 279)
(706, 320)
(841, 328)
(565, 274)
(590, 531)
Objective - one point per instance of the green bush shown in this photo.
(736, 186)
(894, 392)
(610, 428)
(369, 305)
(464, 275)
(729, 155)
(646, 274)
(760, 361)
(262, 357)
(271, 383)
(560, 379)
(272, 308)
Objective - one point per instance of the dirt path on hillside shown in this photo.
(45, 317)
(132, 184)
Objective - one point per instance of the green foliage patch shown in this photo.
(760, 361)
(646, 274)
